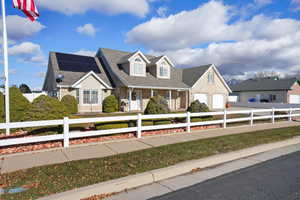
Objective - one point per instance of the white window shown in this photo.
(210, 77)
(163, 70)
(138, 67)
(90, 97)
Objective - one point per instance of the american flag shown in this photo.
(28, 7)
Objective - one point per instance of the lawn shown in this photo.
(57, 178)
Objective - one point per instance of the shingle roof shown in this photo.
(112, 59)
(263, 84)
(73, 67)
(191, 75)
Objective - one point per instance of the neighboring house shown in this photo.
(134, 78)
(268, 90)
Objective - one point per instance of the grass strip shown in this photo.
(46, 180)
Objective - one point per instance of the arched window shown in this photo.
(138, 67)
(164, 69)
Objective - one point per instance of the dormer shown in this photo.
(161, 67)
(135, 64)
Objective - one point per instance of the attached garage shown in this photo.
(201, 97)
(218, 101)
(294, 99)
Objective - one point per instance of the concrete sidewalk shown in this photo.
(10, 163)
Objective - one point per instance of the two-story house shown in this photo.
(134, 78)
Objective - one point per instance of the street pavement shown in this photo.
(275, 179)
(272, 175)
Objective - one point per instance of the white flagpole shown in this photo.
(5, 56)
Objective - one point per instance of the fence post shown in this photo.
(66, 132)
(251, 117)
(273, 116)
(225, 119)
(188, 122)
(290, 114)
(139, 125)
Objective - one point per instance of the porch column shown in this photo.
(170, 99)
(129, 98)
(187, 99)
(151, 93)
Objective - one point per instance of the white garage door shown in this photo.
(201, 97)
(294, 99)
(218, 101)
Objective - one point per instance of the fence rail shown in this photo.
(271, 114)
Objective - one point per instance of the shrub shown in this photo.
(46, 108)
(144, 123)
(19, 105)
(110, 104)
(197, 107)
(111, 125)
(157, 105)
(70, 103)
(162, 121)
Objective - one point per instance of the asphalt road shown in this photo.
(277, 179)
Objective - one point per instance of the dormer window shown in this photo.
(138, 67)
(210, 77)
(164, 70)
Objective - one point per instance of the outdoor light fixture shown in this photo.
(59, 78)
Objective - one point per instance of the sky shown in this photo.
(240, 37)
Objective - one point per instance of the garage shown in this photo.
(201, 97)
(294, 99)
(218, 101)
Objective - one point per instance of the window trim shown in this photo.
(166, 68)
(90, 97)
(211, 77)
(134, 63)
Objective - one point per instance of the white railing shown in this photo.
(67, 135)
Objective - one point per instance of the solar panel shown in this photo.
(76, 63)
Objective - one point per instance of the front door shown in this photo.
(136, 101)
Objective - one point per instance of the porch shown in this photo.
(136, 99)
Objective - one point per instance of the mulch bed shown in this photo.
(55, 144)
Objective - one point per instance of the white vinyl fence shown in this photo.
(67, 135)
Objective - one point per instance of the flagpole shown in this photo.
(5, 56)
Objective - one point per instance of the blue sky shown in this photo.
(241, 37)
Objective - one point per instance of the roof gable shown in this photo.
(73, 67)
(191, 75)
(112, 58)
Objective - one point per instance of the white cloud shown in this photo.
(87, 29)
(19, 27)
(84, 52)
(162, 11)
(189, 28)
(262, 3)
(240, 47)
(28, 52)
(239, 59)
(111, 7)
(295, 5)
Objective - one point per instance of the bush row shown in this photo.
(42, 108)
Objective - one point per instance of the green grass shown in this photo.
(61, 177)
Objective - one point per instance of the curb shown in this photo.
(145, 178)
